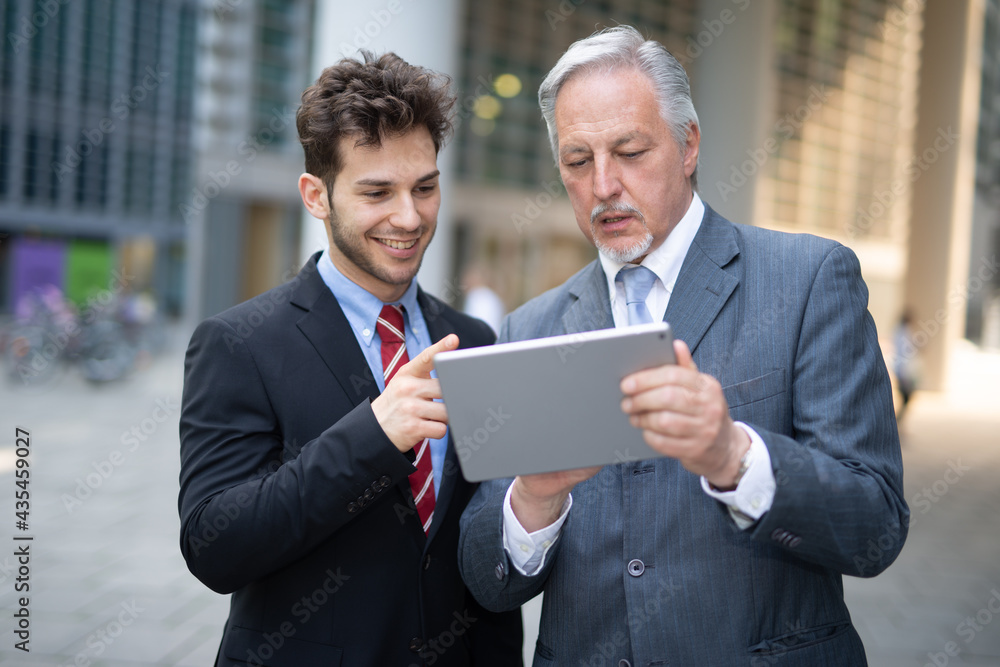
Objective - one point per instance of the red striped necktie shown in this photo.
(390, 329)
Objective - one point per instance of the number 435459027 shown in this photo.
(23, 475)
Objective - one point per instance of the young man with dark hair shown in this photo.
(318, 485)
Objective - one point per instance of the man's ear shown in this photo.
(691, 147)
(314, 197)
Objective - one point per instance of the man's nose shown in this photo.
(405, 216)
(607, 179)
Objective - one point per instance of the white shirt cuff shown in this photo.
(527, 551)
(754, 494)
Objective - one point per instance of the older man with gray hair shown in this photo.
(781, 467)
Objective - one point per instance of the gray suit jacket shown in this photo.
(781, 321)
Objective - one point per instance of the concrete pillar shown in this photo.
(424, 34)
(938, 259)
(730, 59)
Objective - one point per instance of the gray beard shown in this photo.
(626, 255)
(632, 252)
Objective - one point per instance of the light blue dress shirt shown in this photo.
(362, 308)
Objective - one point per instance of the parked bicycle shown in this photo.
(104, 339)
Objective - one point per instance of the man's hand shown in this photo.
(684, 415)
(537, 500)
(406, 410)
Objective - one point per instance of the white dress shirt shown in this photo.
(754, 493)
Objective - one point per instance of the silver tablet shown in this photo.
(550, 403)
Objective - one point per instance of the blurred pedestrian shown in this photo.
(481, 301)
(905, 364)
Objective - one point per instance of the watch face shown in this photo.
(744, 465)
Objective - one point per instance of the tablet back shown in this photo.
(547, 404)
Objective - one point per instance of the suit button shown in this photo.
(369, 494)
(498, 570)
(624, 663)
(794, 542)
(352, 508)
(636, 567)
(427, 562)
(385, 482)
(416, 644)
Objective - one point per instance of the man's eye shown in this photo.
(375, 194)
(426, 189)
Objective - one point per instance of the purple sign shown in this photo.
(36, 264)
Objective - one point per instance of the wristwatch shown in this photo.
(744, 466)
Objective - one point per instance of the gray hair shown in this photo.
(619, 47)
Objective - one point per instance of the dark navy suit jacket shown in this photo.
(781, 321)
(293, 499)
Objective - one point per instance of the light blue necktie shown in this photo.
(638, 280)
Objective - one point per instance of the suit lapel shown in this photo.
(330, 334)
(438, 326)
(592, 308)
(703, 285)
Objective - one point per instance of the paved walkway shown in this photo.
(109, 587)
(939, 603)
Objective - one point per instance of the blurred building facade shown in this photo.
(95, 146)
(160, 135)
(983, 325)
(243, 208)
(852, 120)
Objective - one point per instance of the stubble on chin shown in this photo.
(356, 251)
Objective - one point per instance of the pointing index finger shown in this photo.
(424, 363)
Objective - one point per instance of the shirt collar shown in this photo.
(666, 260)
(361, 307)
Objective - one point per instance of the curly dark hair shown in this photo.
(375, 99)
